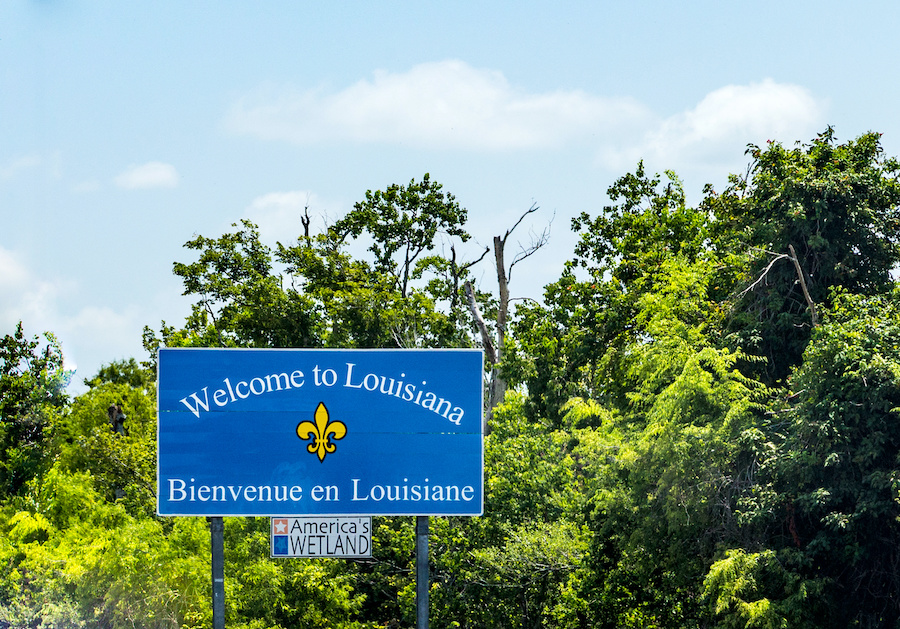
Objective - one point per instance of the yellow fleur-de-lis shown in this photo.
(320, 432)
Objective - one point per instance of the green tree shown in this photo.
(77, 560)
(314, 293)
(837, 205)
(676, 463)
(509, 568)
(82, 546)
(121, 464)
(241, 301)
(262, 592)
(32, 390)
(124, 372)
(403, 223)
(572, 344)
(835, 505)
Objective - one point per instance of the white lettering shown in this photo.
(198, 404)
(319, 493)
(440, 404)
(220, 394)
(277, 377)
(262, 386)
(349, 382)
(179, 490)
(412, 493)
(355, 492)
(230, 390)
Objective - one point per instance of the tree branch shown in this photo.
(765, 272)
(812, 306)
(814, 317)
(481, 324)
(537, 242)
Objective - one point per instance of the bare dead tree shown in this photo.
(493, 341)
(305, 220)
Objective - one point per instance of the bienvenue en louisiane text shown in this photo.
(182, 491)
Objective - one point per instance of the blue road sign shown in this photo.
(291, 432)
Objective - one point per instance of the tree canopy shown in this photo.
(700, 427)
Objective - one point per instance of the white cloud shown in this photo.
(13, 273)
(23, 296)
(149, 175)
(89, 335)
(715, 132)
(450, 104)
(13, 167)
(446, 104)
(111, 331)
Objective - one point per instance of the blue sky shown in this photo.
(127, 128)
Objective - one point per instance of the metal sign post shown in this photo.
(422, 580)
(217, 546)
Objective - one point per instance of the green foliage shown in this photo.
(262, 592)
(124, 372)
(122, 466)
(666, 332)
(313, 293)
(837, 476)
(838, 205)
(241, 301)
(667, 489)
(572, 345)
(683, 445)
(531, 564)
(403, 222)
(86, 562)
(32, 389)
(510, 568)
(756, 590)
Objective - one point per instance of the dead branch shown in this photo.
(801, 279)
(765, 272)
(537, 242)
(481, 324)
(812, 306)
